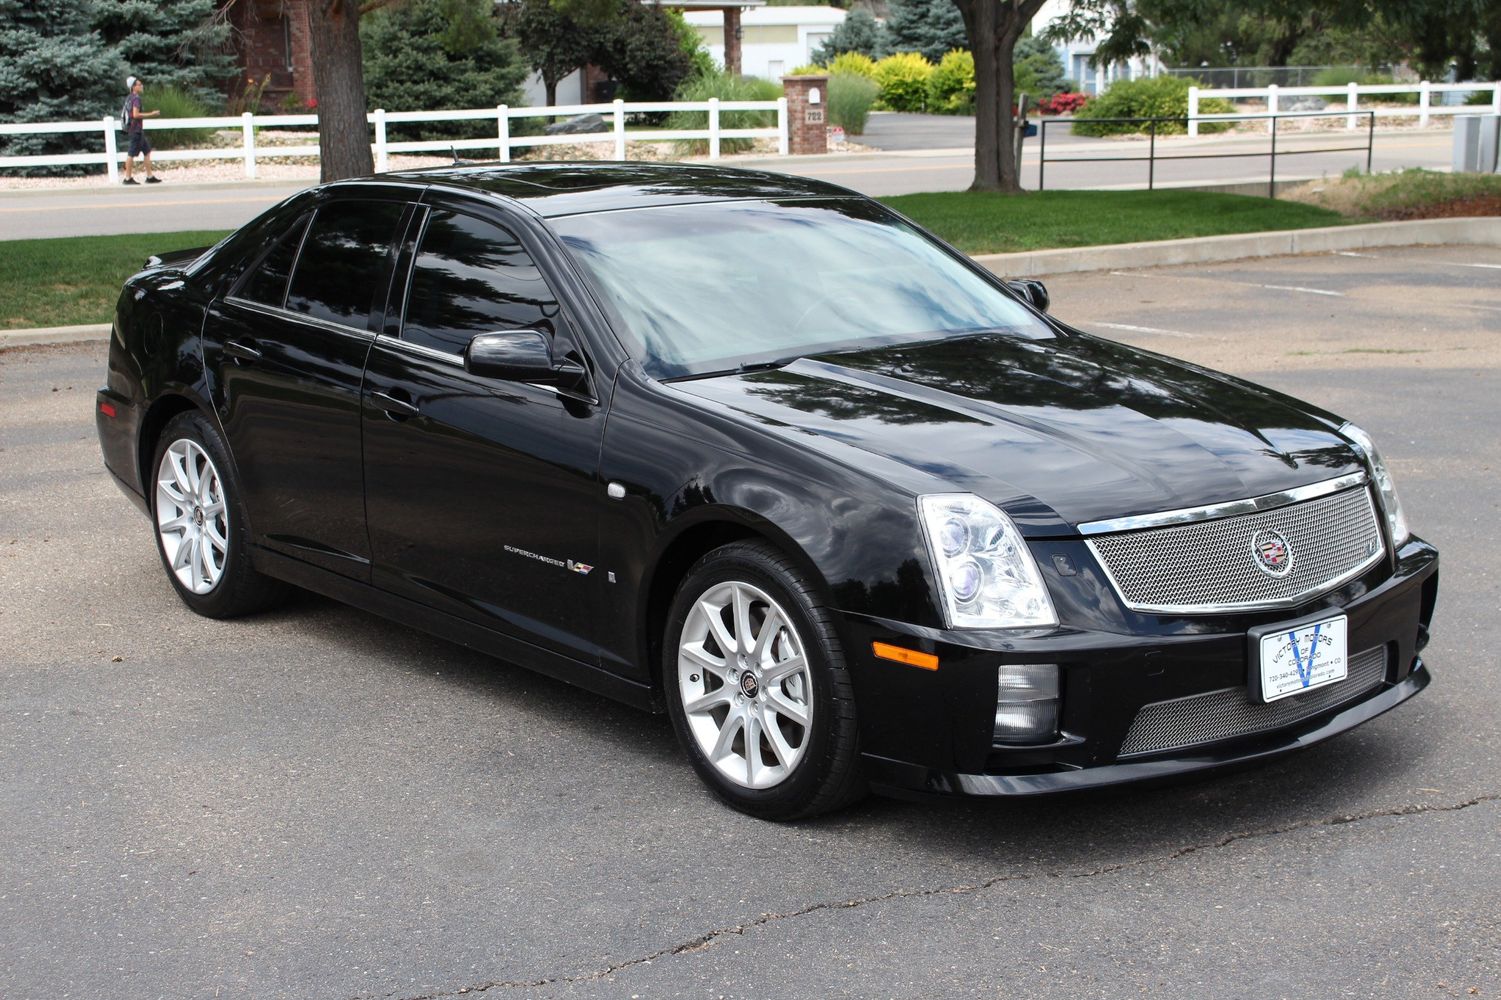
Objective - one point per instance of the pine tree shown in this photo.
(931, 27)
(427, 55)
(54, 67)
(171, 43)
(859, 32)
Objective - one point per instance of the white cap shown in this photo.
(130, 83)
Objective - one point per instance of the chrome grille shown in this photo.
(1209, 566)
(1228, 712)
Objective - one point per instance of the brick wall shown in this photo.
(271, 39)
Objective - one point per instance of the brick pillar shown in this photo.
(296, 12)
(732, 40)
(807, 106)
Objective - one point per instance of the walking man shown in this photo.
(135, 131)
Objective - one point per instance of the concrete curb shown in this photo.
(53, 335)
(1159, 253)
(1212, 249)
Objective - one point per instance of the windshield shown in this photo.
(715, 287)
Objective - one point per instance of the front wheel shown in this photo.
(757, 686)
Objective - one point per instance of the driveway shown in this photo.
(316, 803)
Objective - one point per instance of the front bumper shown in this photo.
(933, 731)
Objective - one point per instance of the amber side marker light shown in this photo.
(911, 657)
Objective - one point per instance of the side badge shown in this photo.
(581, 568)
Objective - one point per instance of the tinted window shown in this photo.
(703, 288)
(343, 261)
(267, 284)
(472, 277)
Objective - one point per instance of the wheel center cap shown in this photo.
(749, 686)
(198, 516)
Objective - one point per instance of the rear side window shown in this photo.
(343, 261)
(267, 284)
(472, 277)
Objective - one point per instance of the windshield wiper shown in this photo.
(749, 366)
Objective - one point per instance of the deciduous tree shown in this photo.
(994, 27)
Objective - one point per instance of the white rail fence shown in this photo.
(1424, 110)
(500, 144)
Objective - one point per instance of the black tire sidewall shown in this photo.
(763, 568)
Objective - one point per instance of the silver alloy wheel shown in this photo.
(745, 684)
(191, 519)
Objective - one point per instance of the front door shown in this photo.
(482, 495)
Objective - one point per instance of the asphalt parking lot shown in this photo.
(318, 804)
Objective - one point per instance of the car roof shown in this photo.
(555, 189)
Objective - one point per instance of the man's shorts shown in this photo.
(139, 143)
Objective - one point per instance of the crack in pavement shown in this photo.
(706, 941)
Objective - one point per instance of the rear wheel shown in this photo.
(200, 524)
(757, 686)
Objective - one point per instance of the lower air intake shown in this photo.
(1229, 712)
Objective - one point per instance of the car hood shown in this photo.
(1057, 432)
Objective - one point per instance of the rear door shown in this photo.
(482, 495)
(288, 347)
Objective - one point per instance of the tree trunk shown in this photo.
(339, 75)
(993, 27)
(550, 90)
(1007, 169)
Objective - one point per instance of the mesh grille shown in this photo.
(1209, 565)
(1228, 712)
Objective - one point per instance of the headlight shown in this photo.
(985, 571)
(1396, 519)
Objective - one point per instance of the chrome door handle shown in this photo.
(241, 352)
(394, 406)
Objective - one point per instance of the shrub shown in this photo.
(174, 102)
(850, 100)
(1062, 104)
(951, 87)
(904, 81)
(1149, 97)
(812, 69)
(852, 64)
(1342, 76)
(1481, 97)
(727, 88)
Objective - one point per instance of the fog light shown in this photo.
(1026, 703)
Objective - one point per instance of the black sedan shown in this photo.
(758, 451)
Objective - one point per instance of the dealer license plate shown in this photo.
(1298, 658)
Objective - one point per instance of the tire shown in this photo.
(784, 683)
(200, 523)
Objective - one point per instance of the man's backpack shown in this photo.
(125, 116)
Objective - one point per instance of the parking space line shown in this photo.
(1300, 288)
(1416, 260)
(1232, 281)
(1145, 329)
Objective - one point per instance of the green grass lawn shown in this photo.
(1040, 220)
(69, 282)
(64, 282)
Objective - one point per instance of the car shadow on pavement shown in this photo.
(1073, 833)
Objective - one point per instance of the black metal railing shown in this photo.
(1152, 159)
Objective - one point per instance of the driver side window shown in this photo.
(472, 277)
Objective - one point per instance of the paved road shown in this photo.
(168, 208)
(318, 804)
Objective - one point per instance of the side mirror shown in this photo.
(1032, 291)
(520, 356)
